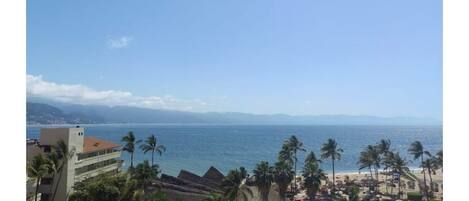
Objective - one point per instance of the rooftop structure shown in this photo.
(91, 157)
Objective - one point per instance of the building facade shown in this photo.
(91, 157)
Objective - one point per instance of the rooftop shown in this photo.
(92, 144)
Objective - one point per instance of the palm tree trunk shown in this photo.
(132, 159)
(333, 174)
(152, 156)
(371, 172)
(377, 179)
(294, 177)
(386, 180)
(431, 181)
(424, 180)
(57, 185)
(399, 189)
(37, 188)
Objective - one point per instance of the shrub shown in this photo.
(414, 196)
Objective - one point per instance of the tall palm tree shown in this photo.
(313, 176)
(283, 175)
(374, 154)
(264, 178)
(429, 165)
(64, 154)
(416, 149)
(387, 162)
(331, 150)
(399, 165)
(37, 169)
(295, 145)
(129, 146)
(151, 144)
(233, 188)
(384, 146)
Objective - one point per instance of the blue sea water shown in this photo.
(197, 147)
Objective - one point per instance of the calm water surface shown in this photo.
(197, 147)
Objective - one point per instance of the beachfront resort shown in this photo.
(65, 164)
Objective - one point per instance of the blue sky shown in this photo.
(295, 57)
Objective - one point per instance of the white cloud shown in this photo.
(116, 43)
(80, 94)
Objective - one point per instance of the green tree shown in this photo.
(37, 169)
(311, 158)
(312, 178)
(365, 161)
(264, 178)
(129, 146)
(151, 144)
(233, 188)
(294, 146)
(399, 165)
(144, 174)
(416, 149)
(331, 150)
(283, 175)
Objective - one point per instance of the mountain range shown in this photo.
(47, 112)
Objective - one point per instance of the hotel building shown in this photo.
(91, 157)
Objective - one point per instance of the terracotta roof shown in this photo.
(91, 144)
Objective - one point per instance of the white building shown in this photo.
(92, 157)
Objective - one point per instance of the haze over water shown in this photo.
(197, 147)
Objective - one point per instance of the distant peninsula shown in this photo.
(63, 113)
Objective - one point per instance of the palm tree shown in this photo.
(365, 161)
(233, 188)
(37, 169)
(295, 145)
(384, 145)
(332, 151)
(264, 178)
(129, 146)
(152, 145)
(285, 154)
(283, 175)
(416, 149)
(431, 164)
(399, 165)
(313, 176)
(311, 158)
(387, 162)
(64, 154)
(144, 174)
(374, 154)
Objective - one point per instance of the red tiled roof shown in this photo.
(91, 144)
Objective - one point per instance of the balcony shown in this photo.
(93, 159)
(97, 169)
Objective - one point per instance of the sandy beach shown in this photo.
(356, 176)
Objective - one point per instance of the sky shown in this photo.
(303, 57)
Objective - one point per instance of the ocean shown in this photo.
(197, 147)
